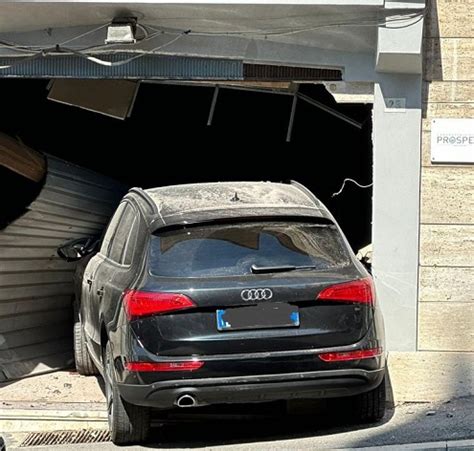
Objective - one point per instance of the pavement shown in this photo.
(465, 445)
(65, 401)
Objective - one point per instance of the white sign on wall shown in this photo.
(452, 140)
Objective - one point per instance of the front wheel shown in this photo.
(127, 423)
(369, 407)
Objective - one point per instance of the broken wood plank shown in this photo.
(19, 158)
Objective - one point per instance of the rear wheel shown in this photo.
(127, 423)
(369, 407)
(84, 363)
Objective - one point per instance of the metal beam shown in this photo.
(329, 110)
(213, 106)
(292, 117)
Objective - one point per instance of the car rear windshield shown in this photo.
(231, 250)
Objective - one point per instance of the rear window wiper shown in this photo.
(284, 268)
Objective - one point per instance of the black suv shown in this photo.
(227, 293)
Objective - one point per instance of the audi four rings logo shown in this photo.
(257, 294)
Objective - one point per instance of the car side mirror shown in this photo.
(76, 249)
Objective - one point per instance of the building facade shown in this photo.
(445, 339)
(413, 61)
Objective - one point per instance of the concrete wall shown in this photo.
(446, 297)
(444, 363)
(396, 206)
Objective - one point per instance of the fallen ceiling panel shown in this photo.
(114, 98)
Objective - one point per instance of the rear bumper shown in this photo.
(256, 388)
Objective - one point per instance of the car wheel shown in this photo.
(369, 407)
(84, 363)
(127, 423)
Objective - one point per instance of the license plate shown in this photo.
(262, 316)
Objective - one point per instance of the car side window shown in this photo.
(118, 241)
(127, 255)
(104, 249)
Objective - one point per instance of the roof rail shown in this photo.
(306, 192)
(145, 196)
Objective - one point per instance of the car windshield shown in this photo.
(233, 249)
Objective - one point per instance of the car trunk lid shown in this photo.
(195, 330)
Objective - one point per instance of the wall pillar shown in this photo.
(396, 202)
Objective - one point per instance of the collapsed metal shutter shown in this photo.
(36, 286)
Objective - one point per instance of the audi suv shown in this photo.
(224, 293)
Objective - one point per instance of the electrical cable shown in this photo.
(368, 24)
(359, 22)
(93, 59)
(102, 62)
(32, 53)
(35, 48)
(275, 32)
(284, 32)
(352, 181)
(23, 60)
(18, 48)
(75, 38)
(145, 31)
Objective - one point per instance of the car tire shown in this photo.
(369, 407)
(84, 363)
(128, 423)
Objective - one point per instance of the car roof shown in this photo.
(201, 202)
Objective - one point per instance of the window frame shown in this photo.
(105, 252)
(107, 256)
(134, 228)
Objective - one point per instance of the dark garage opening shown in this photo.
(166, 141)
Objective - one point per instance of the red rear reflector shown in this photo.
(361, 291)
(142, 303)
(350, 355)
(164, 366)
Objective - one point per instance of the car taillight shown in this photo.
(143, 303)
(350, 355)
(146, 367)
(361, 291)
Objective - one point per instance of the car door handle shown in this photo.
(100, 292)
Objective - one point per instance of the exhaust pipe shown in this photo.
(186, 401)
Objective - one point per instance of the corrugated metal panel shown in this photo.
(148, 67)
(35, 284)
